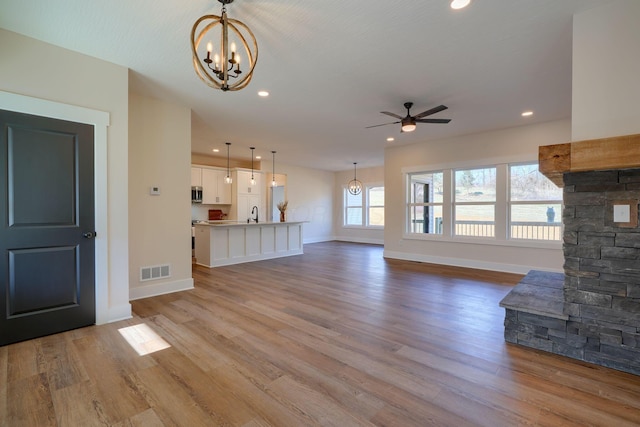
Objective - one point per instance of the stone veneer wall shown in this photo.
(602, 269)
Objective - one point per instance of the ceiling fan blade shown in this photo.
(431, 111)
(384, 124)
(433, 120)
(391, 114)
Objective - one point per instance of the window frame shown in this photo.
(547, 202)
(455, 203)
(346, 207)
(368, 205)
(364, 206)
(411, 205)
(502, 206)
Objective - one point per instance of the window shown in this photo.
(475, 202)
(502, 202)
(535, 204)
(365, 209)
(425, 207)
(352, 208)
(375, 206)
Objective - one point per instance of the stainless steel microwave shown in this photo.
(196, 194)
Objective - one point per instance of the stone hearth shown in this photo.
(592, 311)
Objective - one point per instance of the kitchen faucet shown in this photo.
(255, 208)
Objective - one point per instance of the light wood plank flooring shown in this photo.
(337, 337)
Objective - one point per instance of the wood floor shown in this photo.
(337, 337)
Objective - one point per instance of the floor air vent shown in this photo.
(155, 272)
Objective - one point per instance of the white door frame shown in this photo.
(100, 121)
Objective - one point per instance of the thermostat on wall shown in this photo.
(154, 191)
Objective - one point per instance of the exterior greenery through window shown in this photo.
(504, 201)
(535, 209)
(365, 209)
(475, 202)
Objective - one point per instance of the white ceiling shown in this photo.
(331, 67)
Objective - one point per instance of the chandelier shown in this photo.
(220, 69)
(355, 186)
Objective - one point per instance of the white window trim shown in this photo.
(502, 206)
(366, 188)
(364, 206)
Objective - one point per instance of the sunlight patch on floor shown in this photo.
(143, 339)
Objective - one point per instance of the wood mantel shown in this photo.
(620, 152)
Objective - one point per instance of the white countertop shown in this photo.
(231, 223)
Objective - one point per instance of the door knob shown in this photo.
(89, 234)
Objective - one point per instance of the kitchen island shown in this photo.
(219, 243)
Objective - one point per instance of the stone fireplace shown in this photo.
(592, 311)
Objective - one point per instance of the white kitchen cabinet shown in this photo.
(246, 196)
(245, 203)
(233, 243)
(243, 180)
(215, 191)
(196, 177)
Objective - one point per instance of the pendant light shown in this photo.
(355, 186)
(253, 180)
(273, 181)
(228, 179)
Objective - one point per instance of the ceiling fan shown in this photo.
(409, 122)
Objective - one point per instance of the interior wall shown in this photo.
(606, 67)
(70, 78)
(368, 176)
(310, 196)
(159, 225)
(518, 144)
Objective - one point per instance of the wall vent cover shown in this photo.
(155, 272)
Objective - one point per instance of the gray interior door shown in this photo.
(46, 226)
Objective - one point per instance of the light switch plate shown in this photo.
(621, 213)
(154, 191)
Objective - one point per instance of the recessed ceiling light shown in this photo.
(460, 4)
(263, 93)
(390, 139)
(258, 157)
(527, 114)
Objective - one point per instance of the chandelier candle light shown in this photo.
(216, 68)
(355, 186)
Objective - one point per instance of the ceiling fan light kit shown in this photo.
(220, 69)
(408, 123)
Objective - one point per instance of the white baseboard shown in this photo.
(360, 240)
(118, 313)
(160, 289)
(467, 263)
(319, 240)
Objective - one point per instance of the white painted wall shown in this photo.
(516, 144)
(368, 176)
(79, 80)
(159, 226)
(310, 196)
(606, 69)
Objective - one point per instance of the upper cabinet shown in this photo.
(247, 196)
(215, 191)
(243, 180)
(196, 177)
